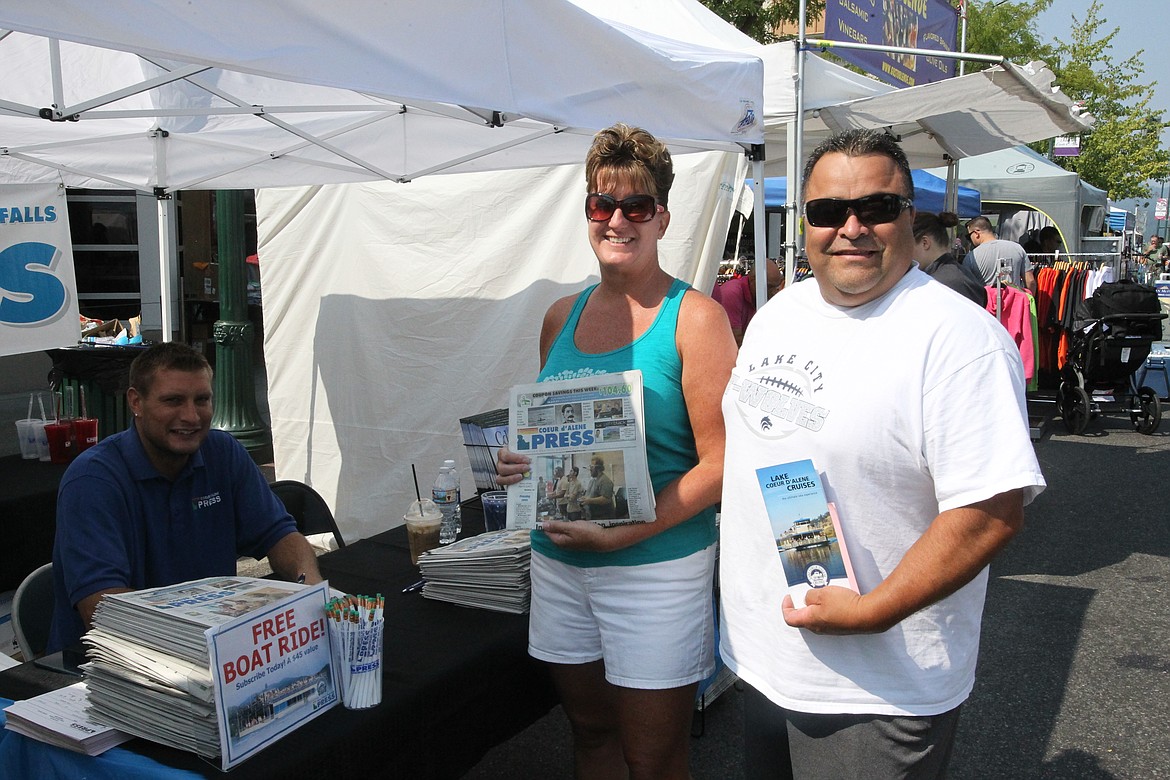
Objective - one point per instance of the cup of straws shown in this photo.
(355, 631)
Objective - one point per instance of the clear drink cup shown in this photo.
(424, 521)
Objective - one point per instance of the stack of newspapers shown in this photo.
(149, 670)
(489, 571)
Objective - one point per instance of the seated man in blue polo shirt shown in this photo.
(166, 501)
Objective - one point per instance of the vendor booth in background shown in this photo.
(1023, 191)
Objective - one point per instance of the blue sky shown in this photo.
(1141, 24)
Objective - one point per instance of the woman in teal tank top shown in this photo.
(623, 614)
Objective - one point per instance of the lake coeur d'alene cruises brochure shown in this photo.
(806, 529)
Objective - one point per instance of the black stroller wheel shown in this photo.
(1075, 408)
(1149, 415)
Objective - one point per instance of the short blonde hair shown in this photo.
(624, 151)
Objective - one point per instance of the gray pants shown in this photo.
(781, 743)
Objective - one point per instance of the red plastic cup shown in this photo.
(61, 445)
(85, 431)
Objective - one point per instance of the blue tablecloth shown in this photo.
(25, 757)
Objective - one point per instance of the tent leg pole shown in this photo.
(759, 225)
(165, 260)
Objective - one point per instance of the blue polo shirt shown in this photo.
(122, 524)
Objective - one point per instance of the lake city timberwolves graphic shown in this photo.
(777, 394)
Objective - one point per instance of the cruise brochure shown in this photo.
(571, 423)
(806, 529)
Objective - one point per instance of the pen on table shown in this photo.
(416, 586)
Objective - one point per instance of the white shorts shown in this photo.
(652, 624)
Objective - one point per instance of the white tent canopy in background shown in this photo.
(403, 89)
(997, 108)
(1016, 181)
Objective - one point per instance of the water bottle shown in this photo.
(445, 494)
(450, 465)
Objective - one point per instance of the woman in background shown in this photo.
(931, 251)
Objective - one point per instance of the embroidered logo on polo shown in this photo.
(776, 394)
(205, 501)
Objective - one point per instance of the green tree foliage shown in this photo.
(1123, 152)
(760, 18)
(1008, 30)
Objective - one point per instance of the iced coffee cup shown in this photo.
(423, 521)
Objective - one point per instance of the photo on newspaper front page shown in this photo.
(586, 438)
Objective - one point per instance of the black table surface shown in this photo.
(28, 516)
(456, 682)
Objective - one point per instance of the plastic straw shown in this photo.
(30, 403)
(417, 494)
(84, 408)
(41, 401)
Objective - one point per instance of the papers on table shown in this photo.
(221, 666)
(489, 571)
(59, 718)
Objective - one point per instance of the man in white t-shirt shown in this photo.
(910, 403)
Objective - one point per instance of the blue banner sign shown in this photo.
(909, 24)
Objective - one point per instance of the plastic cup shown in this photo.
(85, 432)
(43, 442)
(26, 432)
(495, 509)
(61, 445)
(423, 523)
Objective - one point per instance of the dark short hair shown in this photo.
(861, 143)
(927, 223)
(622, 150)
(981, 224)
(169, 355)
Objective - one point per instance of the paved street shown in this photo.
(1074, 676)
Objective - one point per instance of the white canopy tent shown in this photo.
(997, 108)
(165, 96)
(212, 95)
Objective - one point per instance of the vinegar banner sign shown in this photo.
(909, 24)
(38, 289)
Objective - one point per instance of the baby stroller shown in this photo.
(1114, 331)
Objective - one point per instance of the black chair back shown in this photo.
(307, 508)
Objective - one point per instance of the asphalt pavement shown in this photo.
(1074, 668)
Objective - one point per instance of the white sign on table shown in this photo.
(273, 670)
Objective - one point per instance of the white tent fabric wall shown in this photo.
(391, 311)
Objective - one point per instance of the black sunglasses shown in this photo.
(636, 208)
(872, 210)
